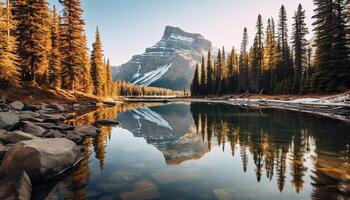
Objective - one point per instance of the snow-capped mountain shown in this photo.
(170, 63)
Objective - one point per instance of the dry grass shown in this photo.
(33, 93)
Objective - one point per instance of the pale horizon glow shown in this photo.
(129, 26)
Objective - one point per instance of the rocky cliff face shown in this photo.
(170, 63)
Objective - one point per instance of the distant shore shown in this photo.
(332, 106)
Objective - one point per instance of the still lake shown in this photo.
(208, 151)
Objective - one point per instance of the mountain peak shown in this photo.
(176, 31)
(170, 63)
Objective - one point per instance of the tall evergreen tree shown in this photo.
(73, 46)
(86, 77)
(54, 68)
(210, 74)
(195, 82)
(33, 37)
(232, 65)
(97, 66)
(203, 82)
(270, 58)
(109, 81)
(284, 68)
(300, 45)
(258, 56)
(339, 74)
(9, 75)
(243, 63)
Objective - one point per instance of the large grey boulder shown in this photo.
(41, 159)
(8, 120)
(15, 186)
(17, 105)
(17, 136)
(33, 129)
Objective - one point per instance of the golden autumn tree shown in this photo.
(9, 74)
(97, 66)
(33, 37)
(54, 69)
(73, 45)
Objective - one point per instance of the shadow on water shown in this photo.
(236, 153)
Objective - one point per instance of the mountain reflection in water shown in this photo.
(208, 151)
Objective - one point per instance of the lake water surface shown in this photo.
(209, 151)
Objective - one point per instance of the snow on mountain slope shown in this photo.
(151, 116)
(170, 63)
(152, 76)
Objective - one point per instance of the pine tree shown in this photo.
(243, 63)
(284, 66)
(109, 81)
(339, 74)
(232, 80)
(258, 56)
(97, 66)
(203, 82)
(33, 37)
(54, 69)
(300, 44)
(73, 45)
(270, 58)
(219, 73)
(210, 74)
(9, 75)
(195, 82)
(86, 77)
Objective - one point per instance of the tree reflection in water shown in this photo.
(278, 138)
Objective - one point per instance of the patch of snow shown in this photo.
(137, 74)
(304, 100)
(149, 115)
(182, 38)
(152, 76)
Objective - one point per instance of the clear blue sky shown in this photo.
(129, 26)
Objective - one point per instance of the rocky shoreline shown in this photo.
(36, 144)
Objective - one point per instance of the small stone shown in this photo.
(28, 114)
(54, 134)
(57, 107)
(107, 122)
(17, 105)
(33, 129)
(142, 190)
(8, 120)
(53, 118)
(33, 107)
